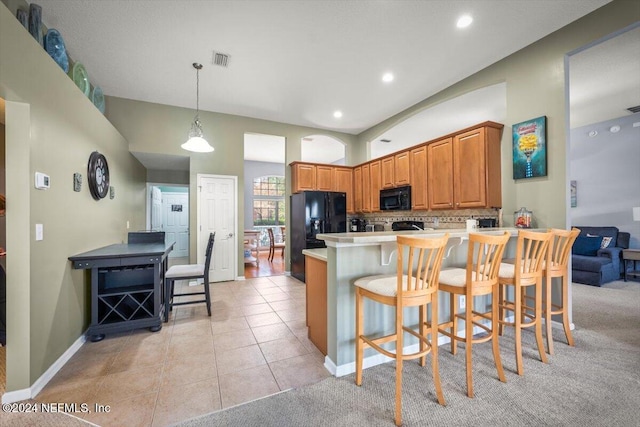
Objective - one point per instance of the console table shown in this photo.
(126, 286)
(632, 255)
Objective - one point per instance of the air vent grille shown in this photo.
(386, 141)
(635, 109)
(220, 59)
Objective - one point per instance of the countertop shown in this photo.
(390, 236)
(319, 253)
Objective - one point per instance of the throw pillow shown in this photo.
(605, 240)
(586, 245)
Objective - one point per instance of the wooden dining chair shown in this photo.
(479, 278)
(188, 272)
(525, 272)
(273, 245)
(557, 266)
(415, 284)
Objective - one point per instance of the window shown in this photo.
(268, 201)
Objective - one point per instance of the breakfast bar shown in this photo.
(350, 256)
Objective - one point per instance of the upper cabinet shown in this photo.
(343, 180)
(464, 171)
(418, 178)
(440, 174)
(396, 170)
(303, 177)
(458, 171)
(476, 169)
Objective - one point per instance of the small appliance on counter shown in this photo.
(358, 225)
(407, 225)
(487, 222)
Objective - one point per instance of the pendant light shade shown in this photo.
(196, 141)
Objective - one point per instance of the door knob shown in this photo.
(230, 235)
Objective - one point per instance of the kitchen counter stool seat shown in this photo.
(188, 272)
(407, 288)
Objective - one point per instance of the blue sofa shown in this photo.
(594, 265)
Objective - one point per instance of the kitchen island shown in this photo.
(350, 256)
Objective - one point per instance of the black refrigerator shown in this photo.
(312, 213)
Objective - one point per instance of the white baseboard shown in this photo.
(36, 387)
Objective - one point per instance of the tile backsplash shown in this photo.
(432, 219)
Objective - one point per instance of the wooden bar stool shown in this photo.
(558, 266)
(415, 284)
(480, 277)
(526, 271)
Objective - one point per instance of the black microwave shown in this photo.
(395, 199)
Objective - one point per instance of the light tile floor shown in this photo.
(253, 345)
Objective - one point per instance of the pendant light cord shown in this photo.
(198, 67)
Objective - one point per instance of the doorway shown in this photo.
(168, 211)
(265, 204)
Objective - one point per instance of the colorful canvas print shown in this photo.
(530, 148)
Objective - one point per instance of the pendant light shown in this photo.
(196, 141)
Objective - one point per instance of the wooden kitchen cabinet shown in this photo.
(464, 171)
(418, 178)
(357, 189)
(402, 169)
(366, 188)
(476, 168)
(316, 278)
(440, 174)
(375, 184)
(324, 178)
(303, 177)
(343, 182)
(387, 170)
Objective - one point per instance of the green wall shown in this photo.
(155, 128)
(51, 127)
(535, 81)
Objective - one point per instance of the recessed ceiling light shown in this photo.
(387, 77)
(464, 21)
(614, 129)
(593, 133)
(337, 114)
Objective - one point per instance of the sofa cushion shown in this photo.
(587, 246)
(607, 231)
(589, 263)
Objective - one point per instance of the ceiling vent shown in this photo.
(221, 59)
(635, 109)
(307, 139)
(386, 141)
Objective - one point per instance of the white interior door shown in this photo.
(175, 218)
(156, 209)
(217, 209)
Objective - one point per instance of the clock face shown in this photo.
(98, 172)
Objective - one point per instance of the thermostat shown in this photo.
(42, 181)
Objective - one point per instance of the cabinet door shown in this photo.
(419, 196)
(376, 185)
(343, 180)
(357, 189)
(402, 169)
(303, 177)
(440, 174)
(324, 178)
(469, 169)
(388, 180)
(366, 188)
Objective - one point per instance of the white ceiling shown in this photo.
(297, 61)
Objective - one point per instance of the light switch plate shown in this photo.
(39, 232)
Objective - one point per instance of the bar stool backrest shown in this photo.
(419, 275)
(484, 256)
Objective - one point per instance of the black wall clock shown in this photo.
(98, 175)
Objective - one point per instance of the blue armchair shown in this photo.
(596, 256)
